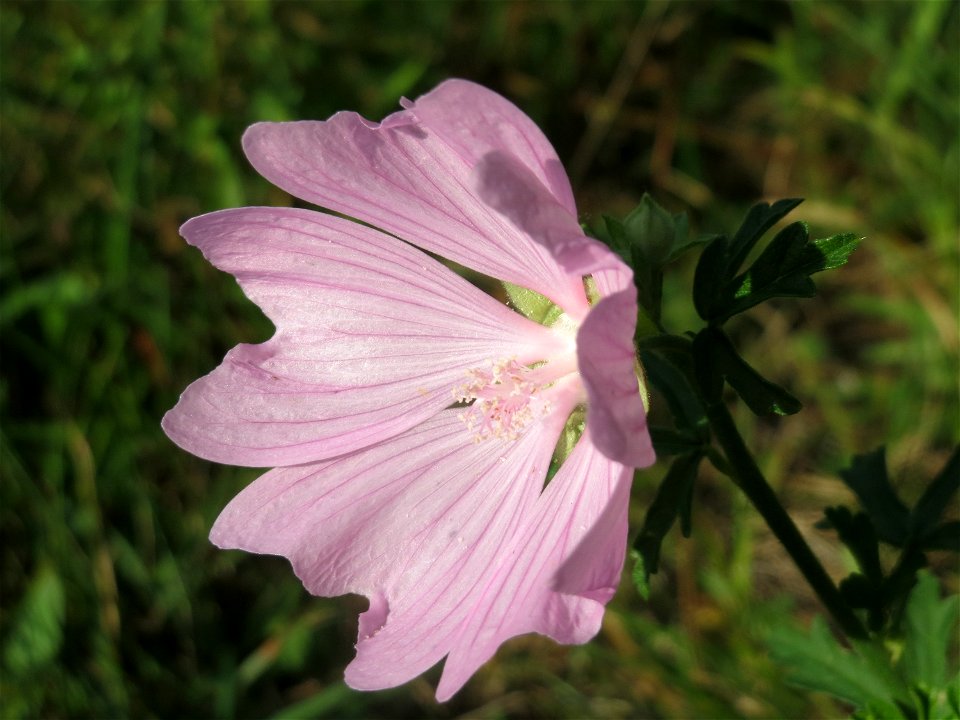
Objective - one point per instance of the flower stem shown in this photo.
(747, 476)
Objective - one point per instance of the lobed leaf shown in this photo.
(929, 626)
(718, 360)
(867, 477)
(673, 499)
(816, 661)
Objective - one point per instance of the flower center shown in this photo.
(508, 396)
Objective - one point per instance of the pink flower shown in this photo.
(437, 514)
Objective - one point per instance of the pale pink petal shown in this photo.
(410, 175)
(606, 357)
(372, 337)
(529, 590)
(512, 189)
(416, 524)
(475, 121)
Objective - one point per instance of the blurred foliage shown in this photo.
(120, 120)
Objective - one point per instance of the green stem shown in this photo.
(749, 478)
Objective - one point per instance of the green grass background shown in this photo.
(121, 120)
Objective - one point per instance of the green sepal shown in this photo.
(572, 430)
(717, 360)
(674, 499)
(648, 239)
(532, 305)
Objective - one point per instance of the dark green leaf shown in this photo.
(857, 533)
(683, 246)
(710, 278)
(760, 218)
(784, 269)
(867, 477)
(944, 537)
(858, 591)
(865, 589)
(672, 499)
(717, 359)
(672, 383)
(667, 441)
(926, 513)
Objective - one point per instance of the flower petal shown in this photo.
(580, 518)
(372, 337)
(514, 190)
(605, 354)
(416, 524)
(410, 176)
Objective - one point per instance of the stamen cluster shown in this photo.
(506, 398)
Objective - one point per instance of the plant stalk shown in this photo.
(748, 477)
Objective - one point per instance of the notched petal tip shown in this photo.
(374, 617)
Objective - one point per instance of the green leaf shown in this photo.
(784, 269)
(718, 360)
(37, 634)
(672, 499)
(928, 630)
(639, 575)
(817, 662)
(723, 257)
(867, 477)
(324, 703)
